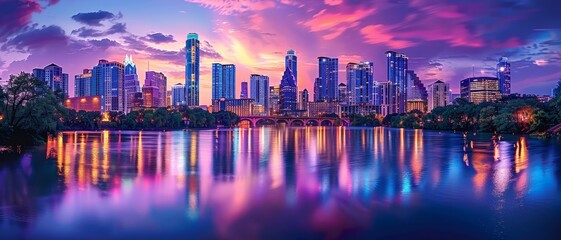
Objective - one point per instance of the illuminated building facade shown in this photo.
(192, 67)
(480, 89)
(397, 66)
(503, 74)
(107, 82)
(274, 101)
(82, 83)
(326, 84)
(360, 83)
(319, 109)
(241, 107)
(178, 94)
(438, 95)
(223, 81)
(85, 103)
(260, 90)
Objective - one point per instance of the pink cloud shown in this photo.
(335, 23)
(229, 7)
(378, 34)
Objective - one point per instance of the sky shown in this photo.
(446, 40)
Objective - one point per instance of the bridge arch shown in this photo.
(246, 121)
(326, 123)
(312, 122)
(281, 121)
(264, 122)
(297, 123)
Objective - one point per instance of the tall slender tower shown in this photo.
(397, 65)
(328, 79)
(192, 66)
(132, 85)
(503, 74)
(291, 62)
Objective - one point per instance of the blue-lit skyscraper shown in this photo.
(288, 93)
(131, 83)
(291, 62)
(223, 81)
(244, 93)
(260, 90)
(397, 65)
(178, 94)
(503, 74)
(107, 82)
(328, 80)
(53, 77)
(82, 83)
(192, 66)
(360, 83)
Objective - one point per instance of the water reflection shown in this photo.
(267, 182)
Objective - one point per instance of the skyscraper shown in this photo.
(438, 95)
(343, 93)
(328, 79)
(107, 82)
(291, 62)
(417, 96)
(274, 100)
(503, 74)
(178, 94)
(360, 83)
(154, 90)
(397, 65)
(480, 89)
(192, 66)
(223, 81)
(303, 99)
(260, 90)
(82, 83)
(53, 77)
(288, 98)
(244, 93)
(131, 83)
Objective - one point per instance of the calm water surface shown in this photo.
(291, 183)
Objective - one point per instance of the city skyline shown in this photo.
(249, 36)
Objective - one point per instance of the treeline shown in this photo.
(513, 114)
(30, 112)
(149, 119)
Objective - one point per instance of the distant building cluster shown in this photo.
(114, 86)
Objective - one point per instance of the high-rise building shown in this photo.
(274, 100)
(154, 90)
(241, 107)
(360, 83)
(319, 109)
(303, 99)
(82, 83)
(503, 74)
(397, 65)
(223, 81)
(131, 83)
(178, 94)
(53, 76)
(288, 92)
(480, 89)
(244, 93)
(342, 91)
(291, 62)
(437, 95)
(192, 67)
(417, 95)
(260, 90)
(328, 79)
(107, 82)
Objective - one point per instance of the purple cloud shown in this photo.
(16, 15)
(85, 32)
(158, 38)
(95, 18)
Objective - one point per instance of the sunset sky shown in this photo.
(445, 40)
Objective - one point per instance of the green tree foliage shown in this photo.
(227, 119)
(30, 110)
(364, 120)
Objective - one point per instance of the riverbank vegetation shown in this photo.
(30, 112)
(513, 114)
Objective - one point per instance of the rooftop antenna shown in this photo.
(473, 70)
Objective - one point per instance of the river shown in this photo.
(283, 183)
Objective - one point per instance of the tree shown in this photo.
(30, 111)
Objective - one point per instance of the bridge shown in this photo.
(294, 121)
(555, 129)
